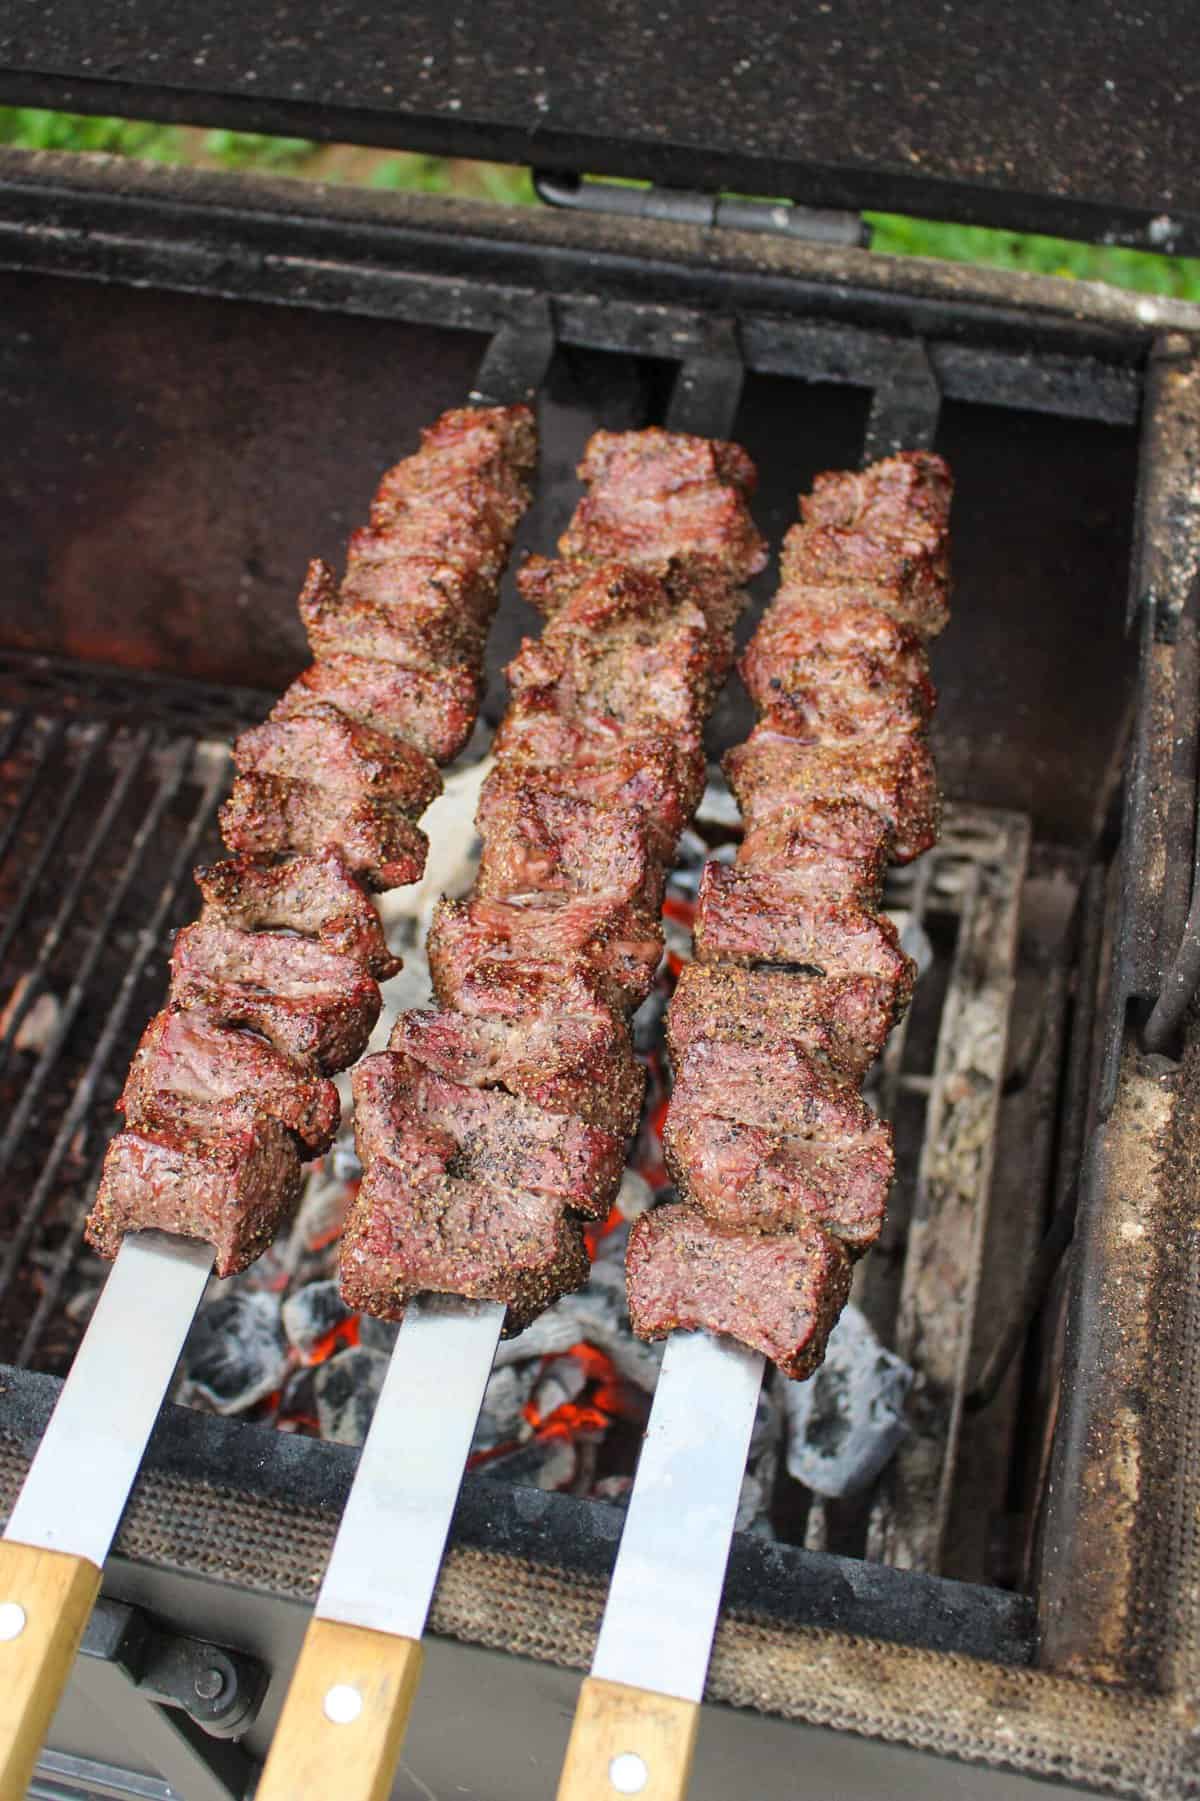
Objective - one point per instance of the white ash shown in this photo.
(311, 1314)
(546, 1463)
(718, 807)
(502, 1415)
(454, 848)
(597, 1315)
(346, 1389)
(845, 1422)
(236, 1352)
(914, 939)
(634, 1198)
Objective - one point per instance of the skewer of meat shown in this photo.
(275, 988)
(782, 1169)
(493, 1128)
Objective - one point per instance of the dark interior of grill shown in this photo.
(180, 443)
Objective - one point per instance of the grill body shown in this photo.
(197, 373)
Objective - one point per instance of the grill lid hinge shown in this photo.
(686, 206)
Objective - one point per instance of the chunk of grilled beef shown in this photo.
(774, 777)
(549, 583)
(604, 937)
(654, 495)
(742, 918)
(844, 1019)
(321, 744)
(414, 611)
(501, 1138)
(785, 858)
(781, 1294)
(581, 1063)
(769, 1139)
(227, 1175)
(538, 840)
(433, 709)
(185, 1059)
(496, 444)
(426, 1221)
(900, 564)
(268, 814)
(317, 896)
(663, 776)
(847, 674)
(914, 486)
(309, 1001)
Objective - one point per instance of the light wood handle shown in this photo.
(45, 1600)
(628, 1741)
(344, 1719)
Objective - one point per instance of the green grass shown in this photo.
(410, 173)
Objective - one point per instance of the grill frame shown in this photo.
(1105, 1617)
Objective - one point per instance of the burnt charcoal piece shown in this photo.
(581, 1063)
(616, 944)
(318, 896)
(771, 1139)
(347, 1389)
(776, 777)
(233, 1186)
(187, 1059)
(414, 611)
(497, 1138)
(269, 814)
(310, 1002)
(432, 709)
(235, 1353)
(744, 918)
(780, 1294)
(311, 1313)
(844, 1019)
(322, 745)
(535, 840)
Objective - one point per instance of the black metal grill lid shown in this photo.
(1079, 120)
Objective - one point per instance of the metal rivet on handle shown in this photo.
(343, 1704)
(628, 1773)
(12, 1619)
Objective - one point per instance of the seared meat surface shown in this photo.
(599, 763)
(797, 977)
(276, 986)
(780, 1294)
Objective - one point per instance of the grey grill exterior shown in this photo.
(199, 378)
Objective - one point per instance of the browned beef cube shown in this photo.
(233, 1185)
(321, 745)
(185, 1057)
(780, 1294)
(775, 777)
(550, 583)
(498, 444)
(501, 1138)
(655, 494)
(433, 709)
(742, 918)
(464, 528)
(905, 574)
(581, 1063)
(538, 840)
(890, 496)
(609, 939)
(317, 896)
(414, 611)
(782, 856)
(847, 674)
(664, 777)
(845, 1019)
(309, 1001)
(624, 650)
(769, 1139)
(267, 814)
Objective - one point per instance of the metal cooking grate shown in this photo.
(100, 824)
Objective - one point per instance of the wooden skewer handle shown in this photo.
(344, 1719)
(45, 1600)
(628, 1741)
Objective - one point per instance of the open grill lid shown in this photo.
(1012, 114)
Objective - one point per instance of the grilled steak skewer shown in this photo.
(493, 1128)
(275, 988)
(782, 1169)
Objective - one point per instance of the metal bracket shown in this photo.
(708, 387)
(905, 405)
(515, 362)
(179, 1699)
(685, 206)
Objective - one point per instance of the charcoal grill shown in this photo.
(200, 376)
